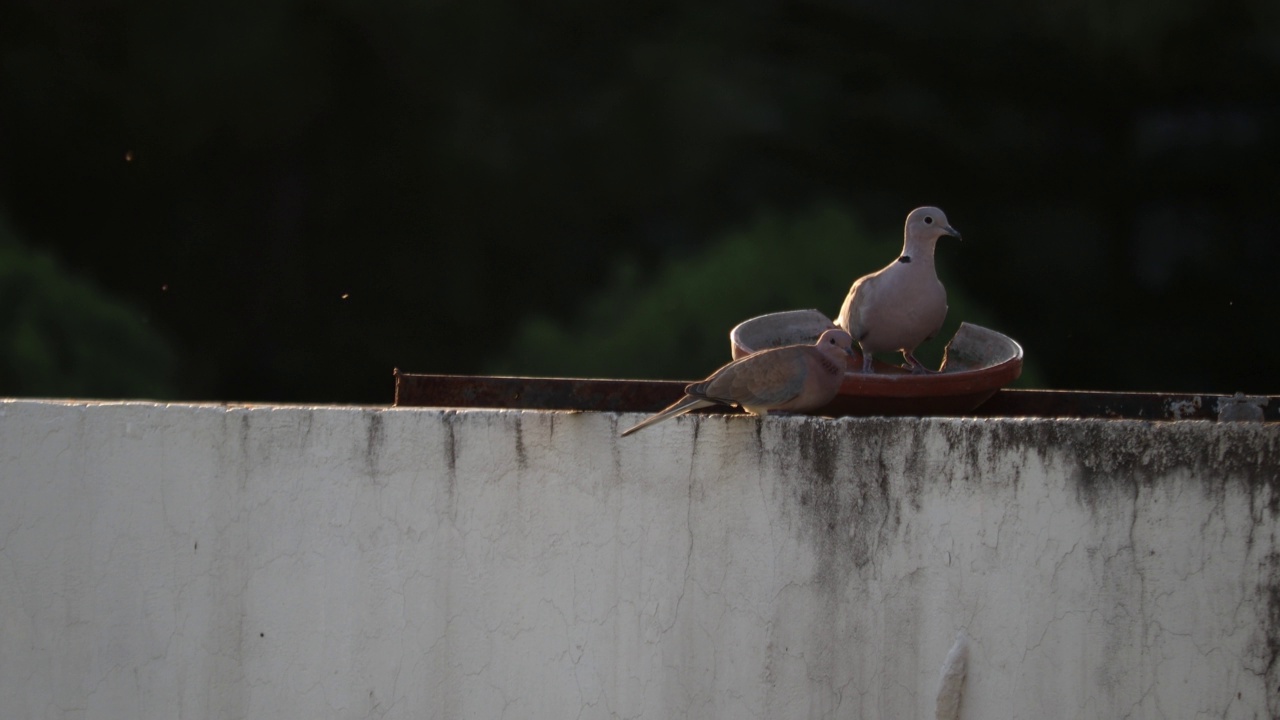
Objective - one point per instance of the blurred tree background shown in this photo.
(285, 199)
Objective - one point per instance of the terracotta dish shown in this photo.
(977, 362)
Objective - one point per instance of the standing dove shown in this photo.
(790, 378)
(902, 305)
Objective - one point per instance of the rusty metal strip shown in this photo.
(1095, 404)
(417, 390)
(535, 393)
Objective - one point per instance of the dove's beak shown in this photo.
(948, 230)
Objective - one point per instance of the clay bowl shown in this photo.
(977, 362)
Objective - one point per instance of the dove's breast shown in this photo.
(905, 314)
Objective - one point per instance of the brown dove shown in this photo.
(791, 378)
(902, 305)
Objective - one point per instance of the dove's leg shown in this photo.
(866, 360)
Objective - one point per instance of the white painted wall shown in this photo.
(176, 561)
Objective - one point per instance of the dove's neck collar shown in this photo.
(917, 250)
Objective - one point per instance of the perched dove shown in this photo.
(791, 378)
(904, 304)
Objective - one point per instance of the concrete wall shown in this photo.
(161, 561)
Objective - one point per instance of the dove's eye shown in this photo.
(928, 220)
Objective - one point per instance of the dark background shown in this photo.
(285, 199)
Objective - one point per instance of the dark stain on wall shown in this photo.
(1126, 455)
(1264, 646)
(373, 442)
(852, 478)
(844, 487)
(245, 460)
(451, 448)
(522, 458)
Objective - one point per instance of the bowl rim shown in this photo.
(893, 381)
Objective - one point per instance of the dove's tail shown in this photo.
(951, 685)
(679, 407)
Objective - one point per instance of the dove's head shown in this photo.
(926, 224)
(834, 343)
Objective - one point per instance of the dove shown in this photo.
(903, 304)
(791, 378)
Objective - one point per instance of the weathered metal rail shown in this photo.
(417, 390)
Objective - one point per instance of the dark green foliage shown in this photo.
(60, 336)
